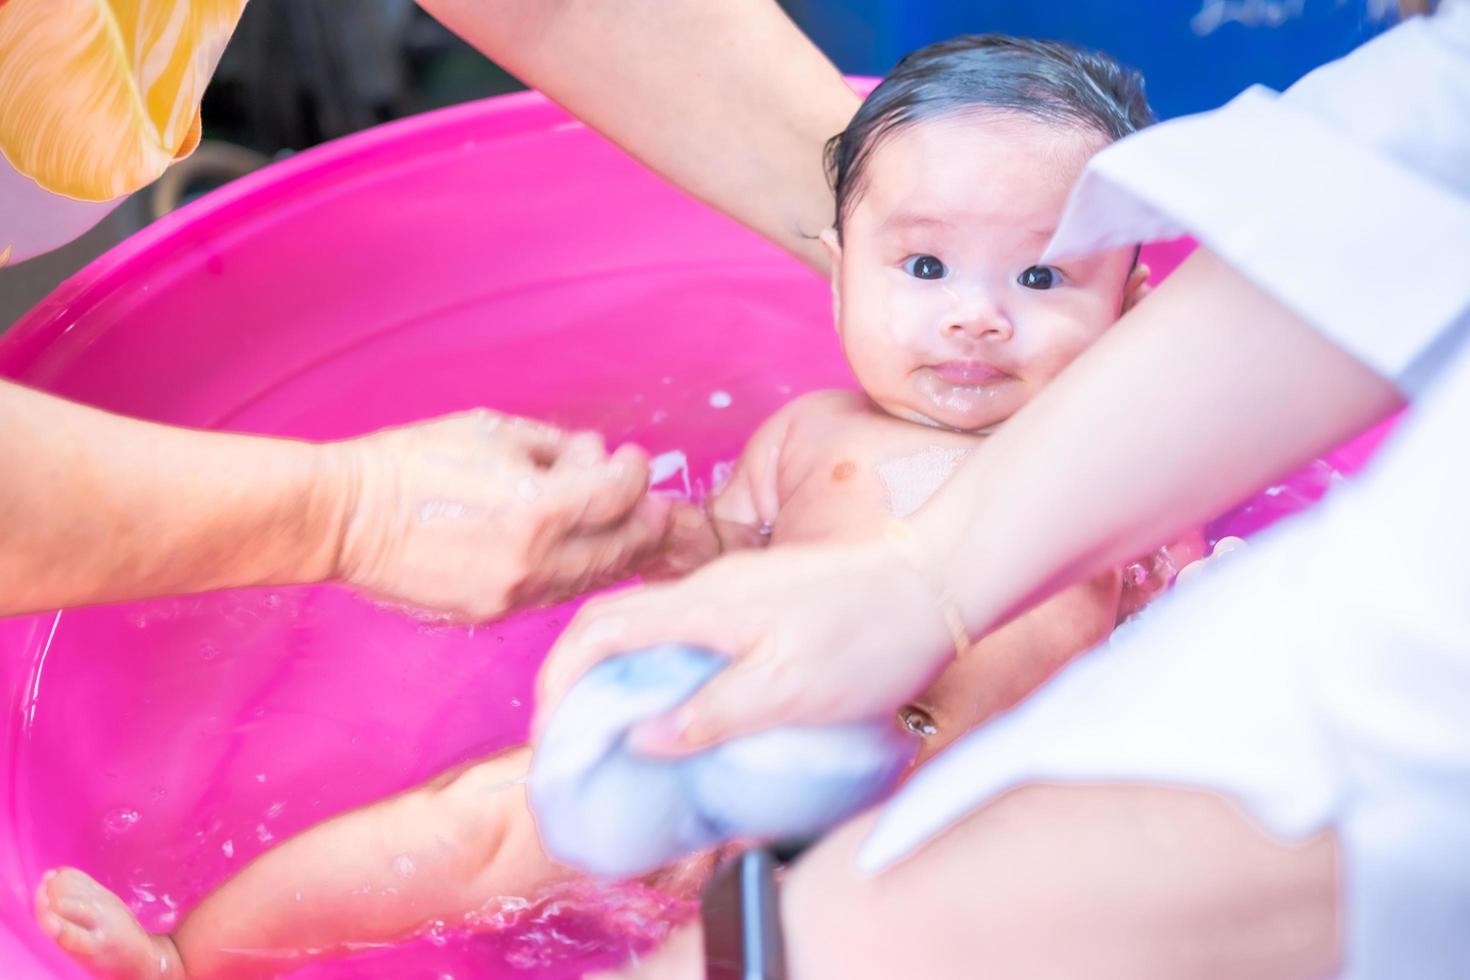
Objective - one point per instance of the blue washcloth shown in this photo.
(602, 808)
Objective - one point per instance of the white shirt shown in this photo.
(1322, 677)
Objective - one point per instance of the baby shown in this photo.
(949, 181)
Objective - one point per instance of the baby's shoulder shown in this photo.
(845, 426)
(802, 422)
(813, 415)
(806, 425)
(827, 405)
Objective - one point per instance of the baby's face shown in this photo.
(944, 313)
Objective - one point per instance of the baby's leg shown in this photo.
(377, 874)
(374, 875)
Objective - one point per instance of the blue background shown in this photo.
(1185, 71)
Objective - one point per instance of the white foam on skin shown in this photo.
(909, 481)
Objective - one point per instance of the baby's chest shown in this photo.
(850, 485)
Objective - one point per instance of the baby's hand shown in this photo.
(478, 514)
(689, 542)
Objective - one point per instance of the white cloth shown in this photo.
(1323, 677)
(603, 807)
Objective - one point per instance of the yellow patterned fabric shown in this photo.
(98, 97)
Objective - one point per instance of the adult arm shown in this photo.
(728, 100)
(469, 515)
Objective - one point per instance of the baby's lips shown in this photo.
(967, 372)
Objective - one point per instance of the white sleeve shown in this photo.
(1347, 198)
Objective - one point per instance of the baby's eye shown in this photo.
(925, 267)
(1040, 277)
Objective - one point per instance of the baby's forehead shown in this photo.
(984, 165)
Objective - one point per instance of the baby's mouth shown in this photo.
(967, 373)
(966, 396)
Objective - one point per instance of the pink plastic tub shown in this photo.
(494, 254)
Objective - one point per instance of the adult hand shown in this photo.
(478, 514)
(814, 634)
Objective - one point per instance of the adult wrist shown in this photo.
(329, 504)
(927, 583)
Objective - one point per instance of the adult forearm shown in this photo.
(1068, 881)
(95, 507)
(725, 98)
(1198, 397)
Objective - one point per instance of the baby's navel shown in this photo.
(843, 470)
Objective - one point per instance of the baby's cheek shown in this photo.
(1067, 344)
(877, 369)
(1039, 372)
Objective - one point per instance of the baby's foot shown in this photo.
(93, 925)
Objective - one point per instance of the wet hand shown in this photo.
(814, 634)
(478, 514)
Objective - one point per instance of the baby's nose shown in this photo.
(979, 318)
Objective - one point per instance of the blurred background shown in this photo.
(299, 72)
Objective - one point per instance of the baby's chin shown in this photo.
(942, 417)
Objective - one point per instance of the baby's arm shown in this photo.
(376, 874)
(738, 515)
(1004, 667)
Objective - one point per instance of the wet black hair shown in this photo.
(1046, 80)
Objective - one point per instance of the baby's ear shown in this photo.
(833, 245)
(1137, 286)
